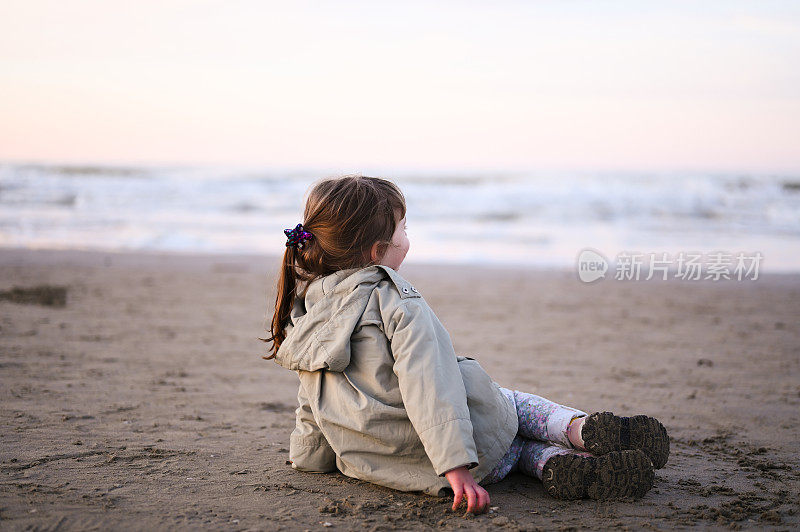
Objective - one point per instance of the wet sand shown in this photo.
(143, 403)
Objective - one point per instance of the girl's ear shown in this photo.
(373, 253)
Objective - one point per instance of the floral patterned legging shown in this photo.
(542, 434)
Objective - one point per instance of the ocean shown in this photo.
(540, 219)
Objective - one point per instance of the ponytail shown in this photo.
(287, 284)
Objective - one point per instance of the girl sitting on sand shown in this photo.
(383, 396)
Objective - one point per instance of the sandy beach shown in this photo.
(143, 402)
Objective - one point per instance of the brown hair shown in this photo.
(346, 215)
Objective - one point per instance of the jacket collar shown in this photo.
(345, 280)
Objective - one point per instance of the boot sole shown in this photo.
(603, 432)
(611, 476)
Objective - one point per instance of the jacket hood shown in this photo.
(320, 325)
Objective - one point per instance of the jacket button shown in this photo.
(405, 290)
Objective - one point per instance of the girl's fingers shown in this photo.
(459, 494)
(472, 499)
(483, 498)
(477, 498)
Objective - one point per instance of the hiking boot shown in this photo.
(603, 432)
(610, 476)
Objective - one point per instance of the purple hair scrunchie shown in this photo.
(296, 237)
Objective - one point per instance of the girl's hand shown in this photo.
(463, 484)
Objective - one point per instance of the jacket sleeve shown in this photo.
(431, 385)
(308, 449)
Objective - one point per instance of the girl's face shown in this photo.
(396, 252)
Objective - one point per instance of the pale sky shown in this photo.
(569, 84)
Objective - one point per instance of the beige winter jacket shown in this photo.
(383, 396)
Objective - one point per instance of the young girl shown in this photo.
(384, 398)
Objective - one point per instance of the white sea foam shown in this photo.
(534, 218)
